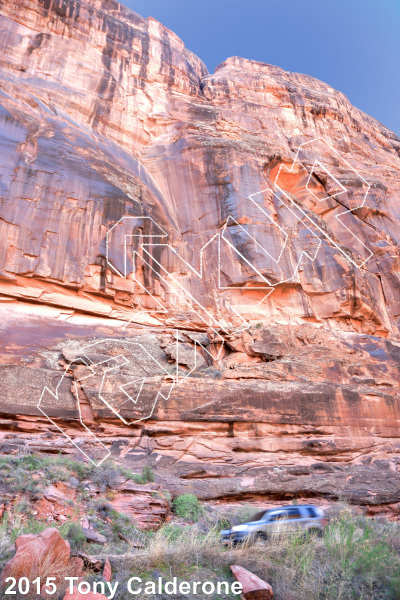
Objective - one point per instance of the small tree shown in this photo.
(187, 506)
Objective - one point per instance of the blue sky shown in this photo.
(354, 45)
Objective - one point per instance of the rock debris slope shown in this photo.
(290, 314)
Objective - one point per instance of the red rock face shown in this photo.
(109, 124)
(253, 587)
(147, 506)
(44, 554)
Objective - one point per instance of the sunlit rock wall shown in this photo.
(249, 197)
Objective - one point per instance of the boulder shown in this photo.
(43, 555)
(90, 562)
(253, 587)
(94, 536)
(60, 492)
(76, 566)
(107, 571)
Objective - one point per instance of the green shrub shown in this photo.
(103, 507)
(128, 473)
(147, 476)
(223, 523)
(187, 506)
(107, 474)
(75, 536)
(80, 469)
(121, 524)
(32, 462)
(17, 471)
(23, 506)
(172, 531)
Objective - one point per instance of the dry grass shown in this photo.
(355, 560)
(44, 566)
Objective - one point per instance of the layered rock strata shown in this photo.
(240, 228)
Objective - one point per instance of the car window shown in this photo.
(291, 513)
(312, 512)
(292, 516)
(276, 516)
(259, 516)
(265, 516)
(286, 514)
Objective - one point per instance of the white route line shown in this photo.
(345, 212)
(56, 396)
(171, 380)
(188, 299)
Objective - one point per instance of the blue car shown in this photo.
(276, 521)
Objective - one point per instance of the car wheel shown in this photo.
(316, 531)
(260, 536)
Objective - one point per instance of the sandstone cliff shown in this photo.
(255, 210)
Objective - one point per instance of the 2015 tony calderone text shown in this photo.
(135, 586)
